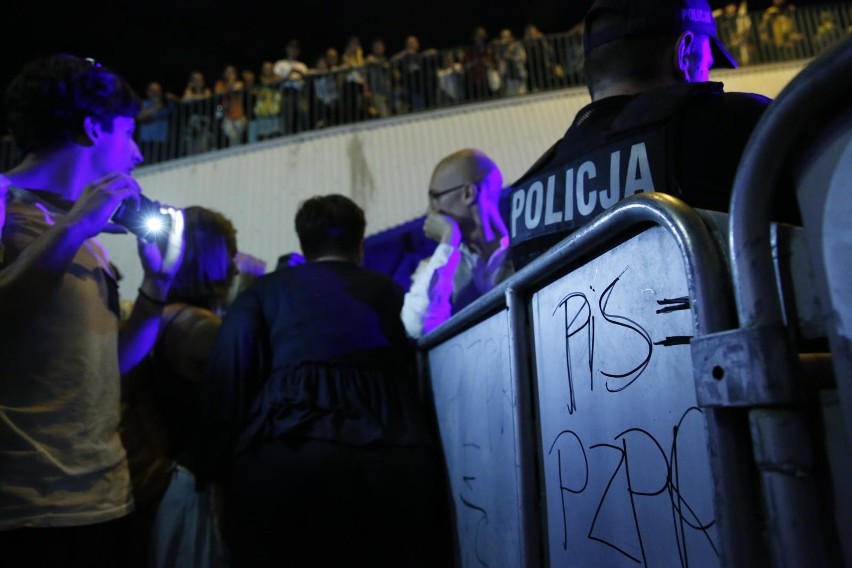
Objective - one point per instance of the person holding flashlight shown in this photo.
(64, 484)
(463, 216)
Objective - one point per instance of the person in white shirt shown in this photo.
(290, 68)
(472, 254)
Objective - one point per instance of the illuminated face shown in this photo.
(446, 193)
(701, 60)
(117, 151)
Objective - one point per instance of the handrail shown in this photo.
(553, 62)
(789, 118)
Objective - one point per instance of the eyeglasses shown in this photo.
(435, 195)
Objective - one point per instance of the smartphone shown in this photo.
(147, 221)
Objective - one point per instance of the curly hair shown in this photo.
(47, 102)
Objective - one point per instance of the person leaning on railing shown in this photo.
(198, 113)
(778, 29)
(229, 90)
(377, 70)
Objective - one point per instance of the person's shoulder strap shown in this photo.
(170, 316)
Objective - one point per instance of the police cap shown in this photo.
(646, 17)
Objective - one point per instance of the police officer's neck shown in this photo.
(628, 88)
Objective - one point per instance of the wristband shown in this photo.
(145, 296)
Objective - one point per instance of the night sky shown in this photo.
(163, 40)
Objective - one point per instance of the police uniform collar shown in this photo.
(655, 105)
(660, 104)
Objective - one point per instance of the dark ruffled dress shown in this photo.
(314, 425)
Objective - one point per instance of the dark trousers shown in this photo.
(324, 504)
(102, 545)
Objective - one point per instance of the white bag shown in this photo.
(494, 79)
(186, 532)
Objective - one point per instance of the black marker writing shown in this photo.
(623, 321)
(661, 478)
(582, 310)
(562, 487)
(673, 304)
(674, 340)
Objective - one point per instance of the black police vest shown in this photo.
(614, 149)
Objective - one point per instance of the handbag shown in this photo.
(186, 532)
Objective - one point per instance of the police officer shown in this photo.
(655, 123)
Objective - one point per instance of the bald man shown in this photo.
(472, 254)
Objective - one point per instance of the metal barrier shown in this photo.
(645, 431)
(597, 409)
(804, 136)
(568, 413)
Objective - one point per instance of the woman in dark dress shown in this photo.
(315, 429)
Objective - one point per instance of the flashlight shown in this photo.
(149, 220)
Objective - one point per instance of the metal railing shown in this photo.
(416, 82)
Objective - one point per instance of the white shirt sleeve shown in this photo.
(428, 302)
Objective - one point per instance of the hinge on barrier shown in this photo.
(743, 367)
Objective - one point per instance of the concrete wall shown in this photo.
(383, 166)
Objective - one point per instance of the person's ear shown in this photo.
(683, 54)
(470, 193)
(91, 131)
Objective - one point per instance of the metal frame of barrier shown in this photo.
(710, 300)
(768, 378)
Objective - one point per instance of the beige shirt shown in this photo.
(61, 459)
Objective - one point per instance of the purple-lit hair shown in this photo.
(208, 267)
(47, 102)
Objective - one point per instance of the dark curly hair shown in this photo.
(48, 100)
(330, 225)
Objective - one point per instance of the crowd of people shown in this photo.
(284, 424)
(294, 94)
(290, 95)
(777, 33)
